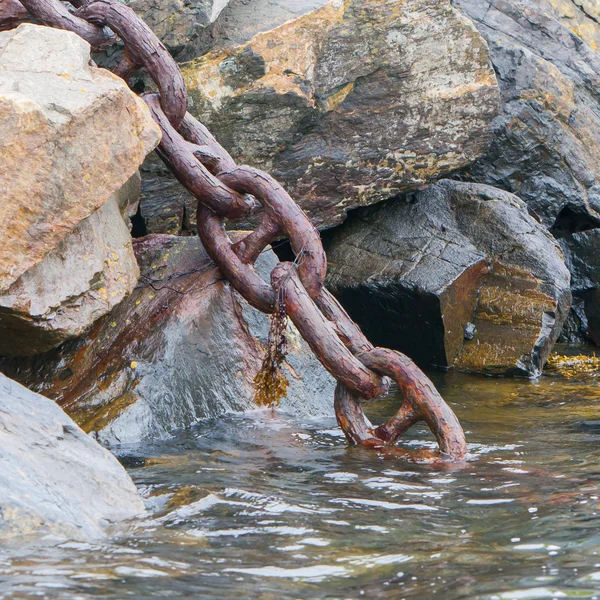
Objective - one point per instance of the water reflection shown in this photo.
(265, 506)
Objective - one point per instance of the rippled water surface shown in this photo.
(267, 506)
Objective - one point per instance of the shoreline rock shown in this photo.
(350, 104)
(458, 275)
(546, 142)
(55, 480)
(182, 347)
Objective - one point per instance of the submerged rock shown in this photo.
(184, 346)
(55, 480)
(459, 275)
(546, 146)
(352, 103)
(71, 136)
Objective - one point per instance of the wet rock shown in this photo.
(72, 139)
(459, 275)
(55, 480)
(165, 205)
(546, 146)
(582, 253)
(352, 103)
(183, 346)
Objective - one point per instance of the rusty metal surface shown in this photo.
(225, 190)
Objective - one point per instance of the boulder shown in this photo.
(353, 102)
(72, 139)
(182, 347)
(55, 480)
(546, 146)
(72, 136)
(241, 20)
(165, 205)
(458, 275)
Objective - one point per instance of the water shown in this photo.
(265, 506)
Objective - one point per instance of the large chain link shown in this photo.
(225, 190)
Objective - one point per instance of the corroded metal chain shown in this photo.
(225, 190)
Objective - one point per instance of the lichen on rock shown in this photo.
(353, 102)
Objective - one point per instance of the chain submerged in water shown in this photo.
(225, 190)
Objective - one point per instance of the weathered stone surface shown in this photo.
(183, 346)
(352, 103)
(458, 275)
(184, 26)
(241, 20)
(582, 254)
(546, 145)
(55, 480)
(582, 17)
(70, 137)
(79, 281)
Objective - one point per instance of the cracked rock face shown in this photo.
(582, 17)
(546, 146)
(183, 346)
(55, 480)
(459, 275)
(352, 103)
(184, 26)
(71, 137)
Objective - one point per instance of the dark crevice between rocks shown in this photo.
(138, 224)
(573, 219)
(400, 319)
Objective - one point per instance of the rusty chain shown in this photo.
(225, 190)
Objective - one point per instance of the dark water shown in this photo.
(265, 506)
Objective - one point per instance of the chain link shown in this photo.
(225, 190)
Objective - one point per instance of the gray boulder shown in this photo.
(459, 275)
(546, 145)
(182, 347)
(241, 20)
(184, 26)
(54, 479)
